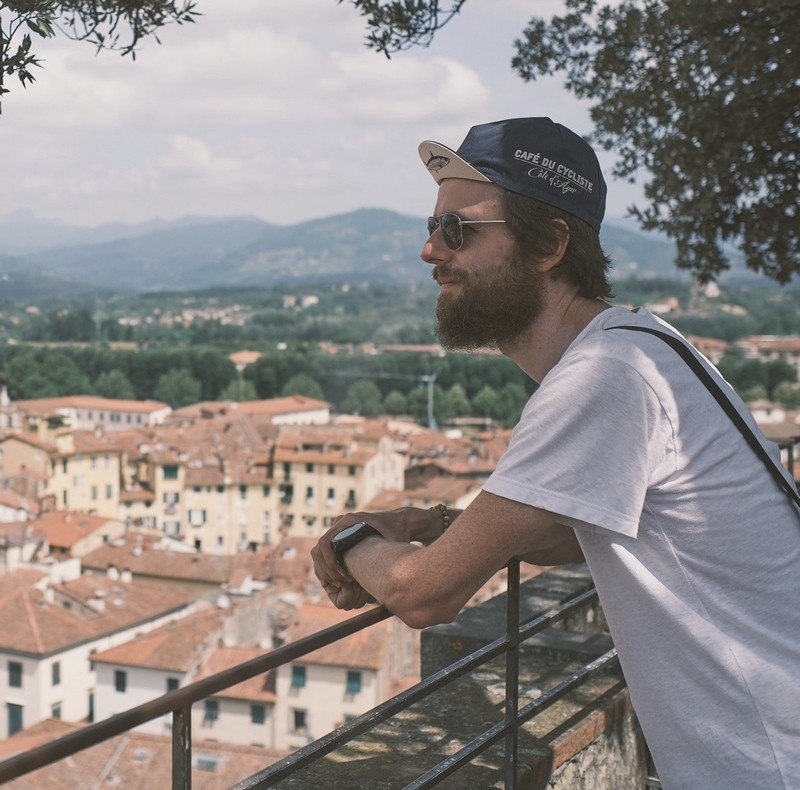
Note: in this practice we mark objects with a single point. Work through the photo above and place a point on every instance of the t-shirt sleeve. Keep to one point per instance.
(587, 446)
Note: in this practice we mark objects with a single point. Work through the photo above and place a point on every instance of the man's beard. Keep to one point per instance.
(493, 309)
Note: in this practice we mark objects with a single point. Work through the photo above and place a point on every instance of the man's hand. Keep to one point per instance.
(403, 525)
(348, 596)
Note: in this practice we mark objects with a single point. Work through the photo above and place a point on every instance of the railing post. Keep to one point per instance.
(182, 748)
(512, 674)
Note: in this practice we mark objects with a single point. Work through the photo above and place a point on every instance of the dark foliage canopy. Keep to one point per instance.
(701, 98)
(107, 24)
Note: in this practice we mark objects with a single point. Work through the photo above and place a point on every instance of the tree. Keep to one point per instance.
(487, 403)
(107, 24)
(363, 398)
(457, 401)
(239, 390)
(703, 97)
(178, 388)
(303, 384)
(788, 395)
(114, 384)
(395, 403)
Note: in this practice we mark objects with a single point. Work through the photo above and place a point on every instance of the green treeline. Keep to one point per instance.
(391, 383)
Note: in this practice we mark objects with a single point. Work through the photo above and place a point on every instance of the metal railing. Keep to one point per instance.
(179, 702)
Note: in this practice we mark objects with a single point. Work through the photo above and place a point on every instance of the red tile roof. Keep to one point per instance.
(64, 528)
(366, 649)
(178, 646)
(29, 624)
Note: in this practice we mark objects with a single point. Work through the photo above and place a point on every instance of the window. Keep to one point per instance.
(170, 472)
(309, 493)
(55, 673)
(353, 682)
(331, 469)
(94, 492)
(14, 714)
(109, 491)
(287, 470)
(171, 497)
(298, 677)
(197, 517)
(258, 714)
(93, 462)
(173, 684)
(309, 467)
(64, 465)
(299, 721)
(242, 492)
(15, 674)
(220, 489)
(120, 680)
(55, 710)
(351, 470)
(211, 710)
(265, 490)
(351, 498)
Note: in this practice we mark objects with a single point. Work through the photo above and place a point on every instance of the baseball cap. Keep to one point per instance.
(534, 157)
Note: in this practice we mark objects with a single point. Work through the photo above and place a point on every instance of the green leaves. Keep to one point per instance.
(108, 24)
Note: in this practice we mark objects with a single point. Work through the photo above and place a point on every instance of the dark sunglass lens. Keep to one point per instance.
(451, 230)
(433, 223)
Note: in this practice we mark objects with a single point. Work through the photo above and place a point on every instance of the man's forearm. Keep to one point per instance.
(393, 574)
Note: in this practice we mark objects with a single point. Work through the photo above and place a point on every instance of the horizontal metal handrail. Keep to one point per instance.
(494, 734)
(179, 703)
(181, 698)
(432, 683)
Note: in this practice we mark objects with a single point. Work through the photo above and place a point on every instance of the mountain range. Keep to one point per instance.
(41, 258)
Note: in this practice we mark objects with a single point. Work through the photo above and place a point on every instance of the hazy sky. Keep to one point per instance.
(273, 108)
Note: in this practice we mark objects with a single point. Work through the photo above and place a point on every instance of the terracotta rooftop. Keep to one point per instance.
(33, 441)
(134, 760)
(245, 357)
(44, 405)
(136, 494)
(178, 646)
(143, 559)
(13, 499)
(260, 688)
(366, 649)
(277, 406)
(64, 528)
(29, 624)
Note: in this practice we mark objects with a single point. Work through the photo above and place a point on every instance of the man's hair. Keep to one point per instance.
(537, 232)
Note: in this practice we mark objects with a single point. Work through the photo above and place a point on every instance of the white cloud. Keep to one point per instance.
(273, 108)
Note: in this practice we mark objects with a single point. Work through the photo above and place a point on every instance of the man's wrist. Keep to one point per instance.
(349, 538)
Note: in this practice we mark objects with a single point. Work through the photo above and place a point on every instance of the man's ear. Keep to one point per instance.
(546, 264)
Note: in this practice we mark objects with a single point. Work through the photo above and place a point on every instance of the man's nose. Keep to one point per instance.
(435, 250)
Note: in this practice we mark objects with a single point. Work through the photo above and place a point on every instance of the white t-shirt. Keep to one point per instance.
(693, 547)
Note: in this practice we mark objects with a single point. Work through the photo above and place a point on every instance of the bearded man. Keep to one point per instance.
(622, 457)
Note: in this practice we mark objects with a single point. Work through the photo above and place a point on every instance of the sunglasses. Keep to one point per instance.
(452, 230)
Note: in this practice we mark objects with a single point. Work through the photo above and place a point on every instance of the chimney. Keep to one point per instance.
(112, 572)
(126, 576)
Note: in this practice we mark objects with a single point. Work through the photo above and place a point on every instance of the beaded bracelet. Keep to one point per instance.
(446, 520)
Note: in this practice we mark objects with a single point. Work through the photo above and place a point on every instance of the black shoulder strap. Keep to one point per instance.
(705, 377)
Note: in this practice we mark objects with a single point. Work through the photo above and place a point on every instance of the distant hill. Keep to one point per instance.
(369, 245)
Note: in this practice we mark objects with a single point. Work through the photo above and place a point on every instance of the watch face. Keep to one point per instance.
(347, 532)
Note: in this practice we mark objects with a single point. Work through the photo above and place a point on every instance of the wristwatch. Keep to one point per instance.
(343, 541)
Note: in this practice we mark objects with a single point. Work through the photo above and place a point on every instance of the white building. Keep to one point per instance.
(48, 632)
